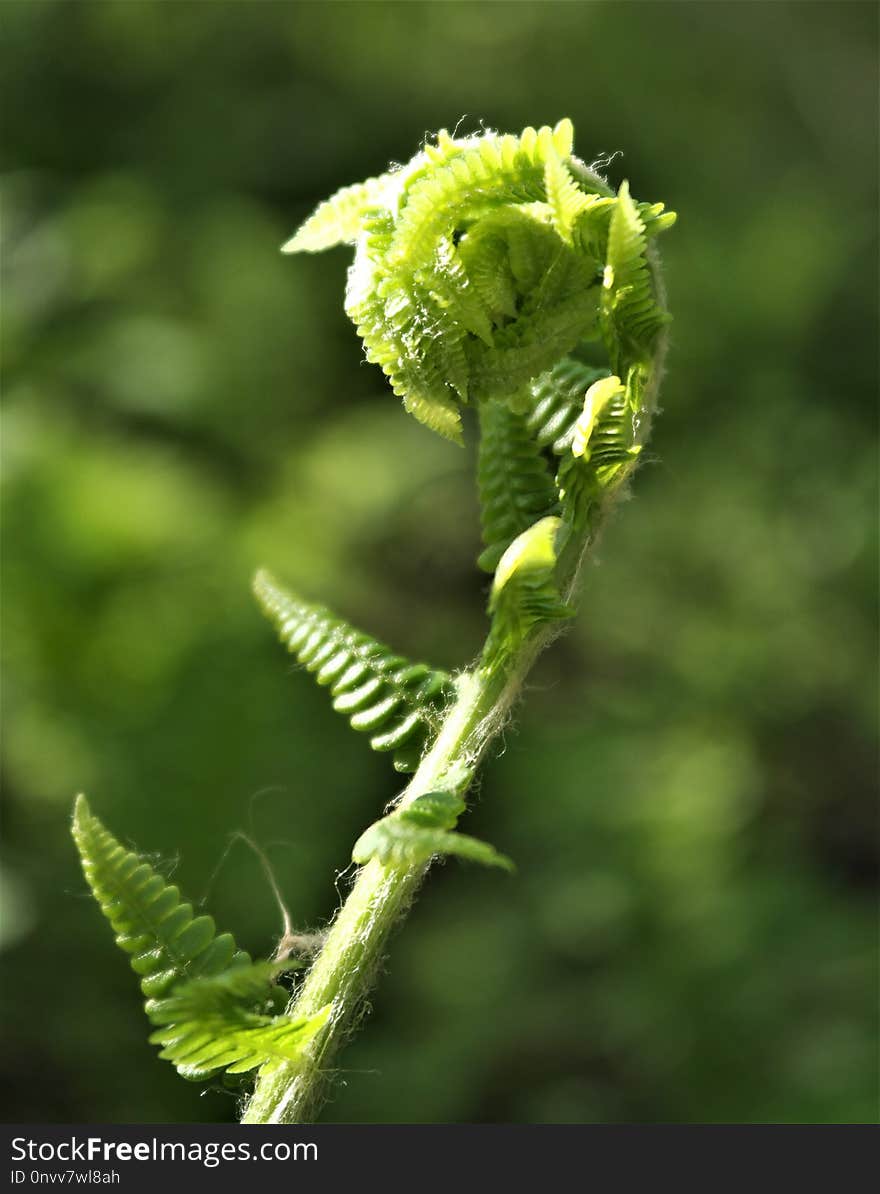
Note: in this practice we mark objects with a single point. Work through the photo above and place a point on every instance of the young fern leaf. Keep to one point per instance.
(525, 592)
(631, 318)
(557, 399)
(222, 1022)
(205, 995)
(605, 445)
(480, 264)
(384, 695)
(166, 941)
(516, 486)
(338, 220)
(416, 833)
(566, 200)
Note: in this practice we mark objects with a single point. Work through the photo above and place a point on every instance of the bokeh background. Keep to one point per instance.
(689, 793)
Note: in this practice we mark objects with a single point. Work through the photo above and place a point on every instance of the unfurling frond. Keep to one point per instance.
(210, 1002)
(416, 833)
(382, 694)
(480, 264)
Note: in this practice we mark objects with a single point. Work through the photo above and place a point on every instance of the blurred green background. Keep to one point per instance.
(691, 932)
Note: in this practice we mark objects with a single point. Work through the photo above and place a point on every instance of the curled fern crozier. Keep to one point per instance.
(484, 261)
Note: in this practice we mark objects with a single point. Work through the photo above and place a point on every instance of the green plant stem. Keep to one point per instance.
(344, 969)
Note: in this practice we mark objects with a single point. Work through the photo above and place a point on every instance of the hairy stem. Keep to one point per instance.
(343, 971)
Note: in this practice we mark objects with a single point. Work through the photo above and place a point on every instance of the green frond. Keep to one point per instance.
(566, 200)
(524, 592)
(382, 694)
(590, 229)
(450, 286)
(531, 347)
(412, 835)
(631, 315)
(437, 412)
(605, 444)
(484, 261)
(212, 1006)
(166, 941)
(223, 1023)
(515, 483)
(485, 256)
(486, 169)
(596, 402)
(655, 218)
(251, 985)
(557, 399)
(337, 221)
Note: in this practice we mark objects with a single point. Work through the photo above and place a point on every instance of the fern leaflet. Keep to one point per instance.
(416, 833)
(525, 592)
(606, 441)
(223, 1022)
(337, 221)
(630, 315)
(384, 695)
(206, 996)
(516, 487)
(166, 941)
(557, 399)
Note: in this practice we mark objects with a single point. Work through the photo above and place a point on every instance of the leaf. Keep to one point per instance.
(483, 169)
(338, 219)
(395, 701)
(165, 940)
(416, 833)
(209, 1000)
(606, 442)
(525, 592)
(557, 401)
(565, 198)
(515, 483)
(631, 315)
(596, 400)
(214, 1023)
(655, 218)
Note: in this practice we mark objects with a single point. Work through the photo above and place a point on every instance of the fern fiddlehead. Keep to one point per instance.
(495, 272)
(481, 263)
